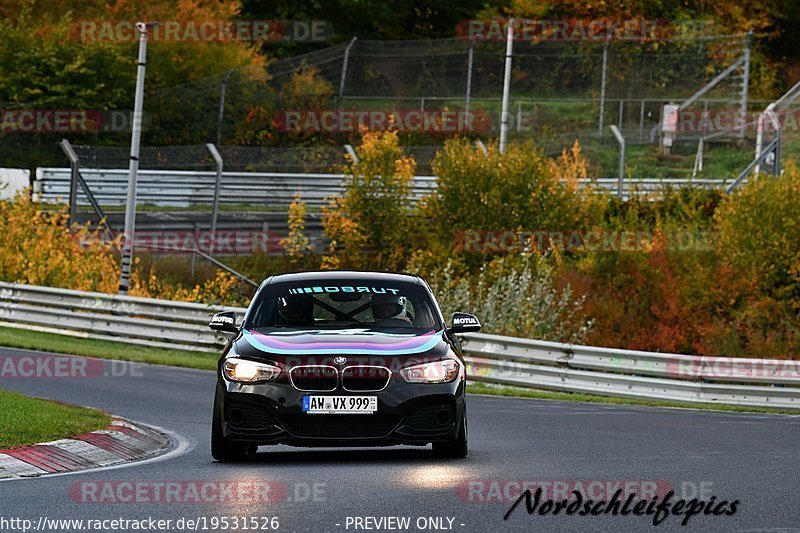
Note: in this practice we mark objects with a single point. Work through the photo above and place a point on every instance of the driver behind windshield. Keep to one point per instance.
(343, 304)
(296, 310)
(390, 310)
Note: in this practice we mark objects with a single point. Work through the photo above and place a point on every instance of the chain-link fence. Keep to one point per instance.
(303, 109)
(556, 86)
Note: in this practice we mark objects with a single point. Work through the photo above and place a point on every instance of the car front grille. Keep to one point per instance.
(339, 426)
(314, 378)
(365, 378)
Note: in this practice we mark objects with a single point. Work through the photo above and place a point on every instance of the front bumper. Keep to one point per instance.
(271, 413)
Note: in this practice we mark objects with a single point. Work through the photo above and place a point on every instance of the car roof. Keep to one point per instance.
(321, 275)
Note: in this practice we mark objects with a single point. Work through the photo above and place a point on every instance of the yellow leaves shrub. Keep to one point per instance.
(758, 233)
(220, 290)
(516, 190)
(296, 244)
(37, 247)
(374, 213)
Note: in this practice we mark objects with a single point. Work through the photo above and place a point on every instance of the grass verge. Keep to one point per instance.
(52, 342)
(519, 392)
(25, 420)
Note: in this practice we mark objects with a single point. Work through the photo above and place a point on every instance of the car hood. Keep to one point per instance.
(336, 342)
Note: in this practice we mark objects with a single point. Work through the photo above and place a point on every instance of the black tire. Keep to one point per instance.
(456, 448)
(223, 449)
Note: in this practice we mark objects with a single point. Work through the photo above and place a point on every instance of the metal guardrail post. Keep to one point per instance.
(76, 180)
(621, 141)
(217, 186)
(343, 76)
(351, 152)
(74, 165)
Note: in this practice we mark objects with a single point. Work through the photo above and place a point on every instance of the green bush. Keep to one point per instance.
(517, 191)
(375, 211)
(516, 296)
(758, 233)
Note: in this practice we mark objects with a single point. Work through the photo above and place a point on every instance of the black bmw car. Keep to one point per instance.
(341, 359)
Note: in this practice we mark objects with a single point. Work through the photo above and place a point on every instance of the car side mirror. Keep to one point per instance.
(464, 323)
(225, 322)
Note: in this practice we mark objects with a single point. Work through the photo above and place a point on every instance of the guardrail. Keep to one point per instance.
(95, 315)
(174, 188)
(633, 374)
(491, 358)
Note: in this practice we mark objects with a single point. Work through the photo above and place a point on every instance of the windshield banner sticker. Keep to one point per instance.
(342, 288)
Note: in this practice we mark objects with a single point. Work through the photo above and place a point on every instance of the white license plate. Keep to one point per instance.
(339, 405)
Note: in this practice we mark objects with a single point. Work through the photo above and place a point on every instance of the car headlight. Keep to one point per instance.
(245, 371)
(436, 372)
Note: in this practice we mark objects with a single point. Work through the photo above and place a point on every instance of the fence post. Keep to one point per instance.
(506, 86)
(746, 77)
(221, 113)
(603, 84)
(469, 77)
(133, 169)
(621, 111)
(621, 141)
(215, 202)
(74, 163)
(343, 76)
(351, 152)
(762, 124)
(641, 121)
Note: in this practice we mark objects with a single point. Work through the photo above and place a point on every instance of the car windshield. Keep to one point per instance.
(337, 304)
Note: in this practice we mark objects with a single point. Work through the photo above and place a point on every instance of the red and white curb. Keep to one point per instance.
(120, 442)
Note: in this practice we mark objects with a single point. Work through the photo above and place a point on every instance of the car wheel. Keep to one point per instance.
(223, 449)
(456, 448)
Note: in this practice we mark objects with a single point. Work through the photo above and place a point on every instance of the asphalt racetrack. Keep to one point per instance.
(752, 458)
